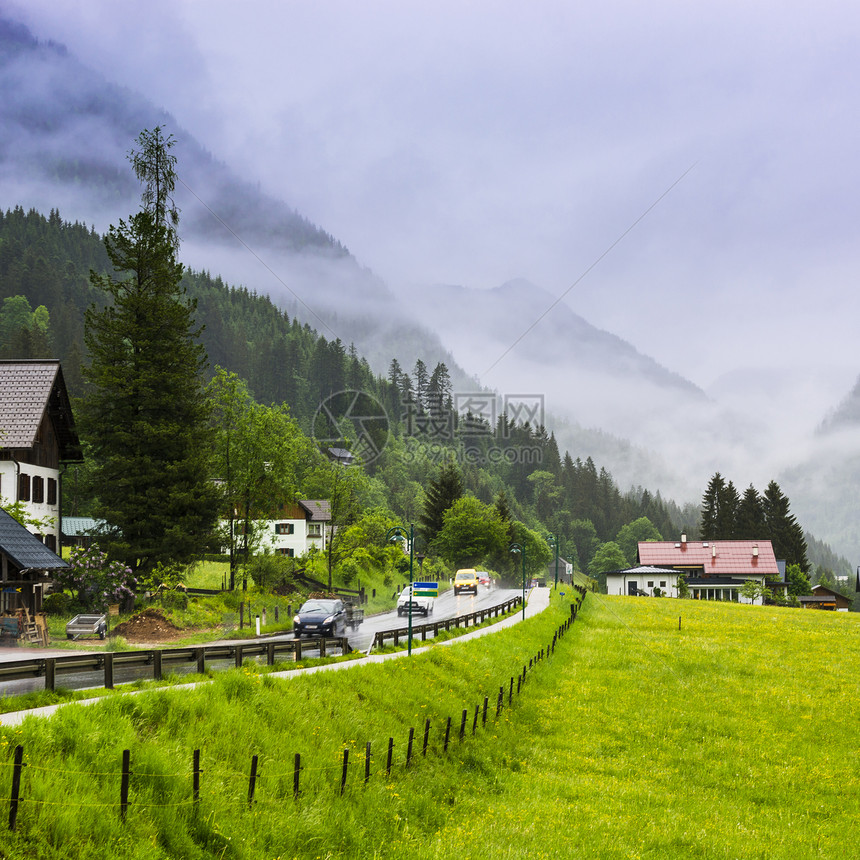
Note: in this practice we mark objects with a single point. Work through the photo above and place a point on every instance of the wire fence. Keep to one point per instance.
(271, 782)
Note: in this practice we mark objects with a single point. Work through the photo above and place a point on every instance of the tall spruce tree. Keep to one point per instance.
(719, 510)
(146, 414)
(784, 531)
(750, 523)
(440, 494)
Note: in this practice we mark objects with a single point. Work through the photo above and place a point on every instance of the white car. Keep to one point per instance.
(419, 602)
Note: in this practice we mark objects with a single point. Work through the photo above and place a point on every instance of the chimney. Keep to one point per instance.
(683, 539)
(713, 550)
(755, 551)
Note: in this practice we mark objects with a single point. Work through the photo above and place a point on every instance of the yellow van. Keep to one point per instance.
(466, 580)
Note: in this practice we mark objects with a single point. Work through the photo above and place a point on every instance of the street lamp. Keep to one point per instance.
(400, 533)
(554, 541)
(521, 548)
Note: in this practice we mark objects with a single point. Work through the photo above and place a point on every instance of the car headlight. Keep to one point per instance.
(329, 620)
(297, 620)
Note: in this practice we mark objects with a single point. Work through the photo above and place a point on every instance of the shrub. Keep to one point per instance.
(57, 603)
(96, 581)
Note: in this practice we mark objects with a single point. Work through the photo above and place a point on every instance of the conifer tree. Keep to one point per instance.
(750, 523)
(439, 496)
(146, 415)
(719, 510)
(784, 531)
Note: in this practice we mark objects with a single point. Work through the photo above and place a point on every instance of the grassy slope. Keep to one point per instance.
(731, 738)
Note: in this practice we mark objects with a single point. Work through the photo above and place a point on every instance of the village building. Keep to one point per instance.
(712, 570)
(37, 439)
(294, 529)
(823, 597)
(26, 565)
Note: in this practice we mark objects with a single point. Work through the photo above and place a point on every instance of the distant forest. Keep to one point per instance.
(45, 288)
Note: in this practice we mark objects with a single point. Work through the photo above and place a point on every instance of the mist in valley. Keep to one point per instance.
(645, 216)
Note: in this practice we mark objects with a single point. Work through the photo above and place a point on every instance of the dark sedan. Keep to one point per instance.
(320, 617)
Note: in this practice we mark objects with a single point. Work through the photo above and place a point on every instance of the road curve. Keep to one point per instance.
(536, 601)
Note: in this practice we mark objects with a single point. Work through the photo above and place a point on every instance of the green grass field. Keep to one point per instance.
(733, 737)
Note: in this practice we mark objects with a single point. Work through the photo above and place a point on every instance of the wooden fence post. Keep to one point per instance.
(447, 734)
(343, 772)
(390, 754)
(426, 735)
(252, 781)
(201, 661)
(16, 786)
(409, 746)
(486, 702)
(123, 789)
(463, 724)
(499, 702)
(196, 780)
(108, 657)
(238, 652)
(50, 673)
(475, 721)
(511, 691)
(297, 767)
(367, 763)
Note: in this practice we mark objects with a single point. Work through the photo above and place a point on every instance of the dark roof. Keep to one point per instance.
(644, 570)
(319, 510)
(29, 390)
(25, 550)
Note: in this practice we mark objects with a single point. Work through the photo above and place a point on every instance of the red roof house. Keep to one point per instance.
(716, 570)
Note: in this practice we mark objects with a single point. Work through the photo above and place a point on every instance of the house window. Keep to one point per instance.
(52, 491)
(286, 550)
(23, 488)
(51, 542)
(284, 528)
(314, 530)
(662, 583)
(38, 489)
(650, 583)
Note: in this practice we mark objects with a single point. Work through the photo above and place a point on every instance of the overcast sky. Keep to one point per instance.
(472, 143)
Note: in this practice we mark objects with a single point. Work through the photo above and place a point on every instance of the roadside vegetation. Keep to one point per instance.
(731, 737)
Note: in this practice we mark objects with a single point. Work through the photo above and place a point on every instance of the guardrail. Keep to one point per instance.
(470, 619)
(161, 659)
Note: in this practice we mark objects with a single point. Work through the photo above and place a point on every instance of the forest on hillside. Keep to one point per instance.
(515, 466)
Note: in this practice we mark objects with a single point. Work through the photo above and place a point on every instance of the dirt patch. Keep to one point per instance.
(148, 626)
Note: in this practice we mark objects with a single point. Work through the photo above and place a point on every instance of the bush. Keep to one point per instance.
(95, 581)
(272, 572)
(57, 603)
(174, 600)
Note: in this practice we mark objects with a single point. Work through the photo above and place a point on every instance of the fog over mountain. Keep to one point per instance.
(650, 209)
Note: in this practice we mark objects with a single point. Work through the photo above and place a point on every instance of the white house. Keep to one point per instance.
(37, 437)
(295, 529)
(713, 570)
